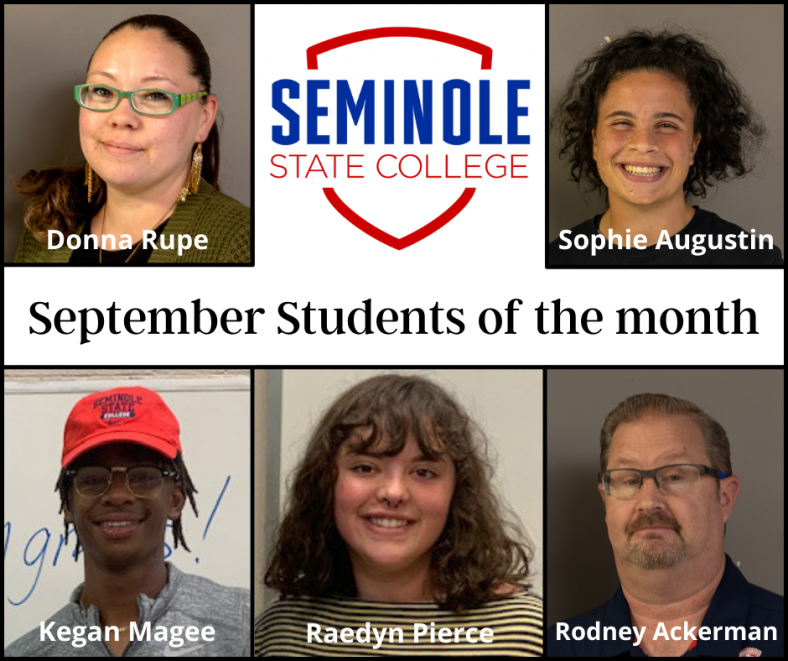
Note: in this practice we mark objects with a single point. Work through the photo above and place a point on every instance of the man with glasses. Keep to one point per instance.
(668, 489)
(122, 478)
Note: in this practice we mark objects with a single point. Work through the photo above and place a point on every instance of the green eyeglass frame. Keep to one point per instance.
(178, 100)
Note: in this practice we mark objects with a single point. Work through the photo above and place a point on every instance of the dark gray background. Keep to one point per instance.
(46, 53)
(750, 40)
(748, 403)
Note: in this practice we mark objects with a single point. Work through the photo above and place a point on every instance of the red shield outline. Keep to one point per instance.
(331, 195)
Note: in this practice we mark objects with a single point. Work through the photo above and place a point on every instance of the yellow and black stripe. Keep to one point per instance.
(186, 98)
(516, 622)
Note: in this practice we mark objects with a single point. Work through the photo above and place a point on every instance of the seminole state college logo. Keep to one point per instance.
(426, 130)
(119, 407)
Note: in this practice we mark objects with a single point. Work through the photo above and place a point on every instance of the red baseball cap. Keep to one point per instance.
(134, 415)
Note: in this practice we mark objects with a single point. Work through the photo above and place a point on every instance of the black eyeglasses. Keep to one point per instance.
(672, 480)
(141, 481)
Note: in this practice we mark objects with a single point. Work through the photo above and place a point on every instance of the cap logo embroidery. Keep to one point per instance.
(117, 407)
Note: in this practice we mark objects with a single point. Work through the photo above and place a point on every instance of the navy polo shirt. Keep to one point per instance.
(736, 603)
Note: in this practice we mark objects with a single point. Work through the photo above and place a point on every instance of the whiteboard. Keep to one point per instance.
(39, 572)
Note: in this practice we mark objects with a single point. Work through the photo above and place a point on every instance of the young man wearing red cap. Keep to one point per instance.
(122, 478)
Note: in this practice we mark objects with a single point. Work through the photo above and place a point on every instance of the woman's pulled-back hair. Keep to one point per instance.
(478, 550)
(730, 129)
(58, 197)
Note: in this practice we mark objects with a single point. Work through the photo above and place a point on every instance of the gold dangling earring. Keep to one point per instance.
(192, 184)
(196, 171)
(89, 180)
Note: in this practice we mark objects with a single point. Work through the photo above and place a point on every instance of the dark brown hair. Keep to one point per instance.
(633, 408)
(478, 550)
(183, 481)
(58, 197)
(731, 131)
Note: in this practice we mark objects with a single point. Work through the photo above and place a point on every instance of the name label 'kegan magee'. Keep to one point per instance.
(175, 636)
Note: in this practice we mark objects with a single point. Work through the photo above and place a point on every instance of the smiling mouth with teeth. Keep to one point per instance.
(389, 523)
(119, 524)
(641, 171)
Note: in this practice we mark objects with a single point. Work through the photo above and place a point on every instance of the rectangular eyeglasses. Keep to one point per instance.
(671, 480)
(152, 102)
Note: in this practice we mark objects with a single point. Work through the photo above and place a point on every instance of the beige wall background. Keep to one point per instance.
(507, 405)
(260, 396)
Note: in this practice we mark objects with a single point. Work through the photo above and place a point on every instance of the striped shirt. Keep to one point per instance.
(515, 620)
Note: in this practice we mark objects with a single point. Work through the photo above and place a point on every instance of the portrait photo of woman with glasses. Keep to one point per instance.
(148, 191)
(392, 521)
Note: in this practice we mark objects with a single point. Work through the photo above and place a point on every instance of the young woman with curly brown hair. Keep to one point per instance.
(392, 520)
(651, 119)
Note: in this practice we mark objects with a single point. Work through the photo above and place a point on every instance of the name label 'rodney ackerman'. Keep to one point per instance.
(175, 636)
(598, 632)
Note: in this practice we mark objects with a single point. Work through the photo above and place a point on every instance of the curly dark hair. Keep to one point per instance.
(478, 550)
(58, 199)
(731, 131)
(65, 483)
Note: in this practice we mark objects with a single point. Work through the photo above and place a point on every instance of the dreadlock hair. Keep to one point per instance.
(65, 483)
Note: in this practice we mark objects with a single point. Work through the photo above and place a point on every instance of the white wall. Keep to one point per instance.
(214, 414)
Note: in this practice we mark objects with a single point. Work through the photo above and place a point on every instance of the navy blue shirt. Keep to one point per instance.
(736, 603)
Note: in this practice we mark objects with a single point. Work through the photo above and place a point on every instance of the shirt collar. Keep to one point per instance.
(150, 608)
(617, 615)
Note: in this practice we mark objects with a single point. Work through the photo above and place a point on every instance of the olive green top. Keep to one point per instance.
(224, 221)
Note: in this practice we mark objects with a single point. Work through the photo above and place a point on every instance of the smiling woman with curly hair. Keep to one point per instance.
(392, 520)
(649, 119)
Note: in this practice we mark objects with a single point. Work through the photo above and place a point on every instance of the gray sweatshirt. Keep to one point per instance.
(186, 601)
